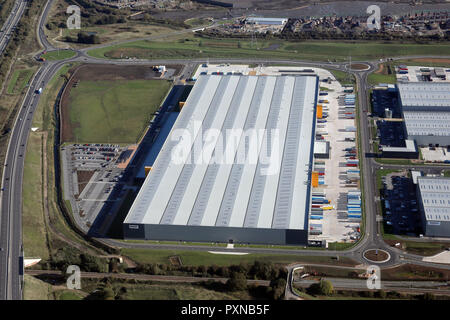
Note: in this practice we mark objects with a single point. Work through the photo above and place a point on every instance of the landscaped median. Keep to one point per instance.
(196, 258)
(58, 55)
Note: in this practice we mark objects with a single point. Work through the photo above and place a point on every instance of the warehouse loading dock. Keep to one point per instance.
(335, 169)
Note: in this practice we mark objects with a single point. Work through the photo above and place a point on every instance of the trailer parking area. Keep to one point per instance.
(336, 226)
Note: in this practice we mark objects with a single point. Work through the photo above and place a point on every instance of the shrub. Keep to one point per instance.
(382, 294)
(429, 296)
(237, 282)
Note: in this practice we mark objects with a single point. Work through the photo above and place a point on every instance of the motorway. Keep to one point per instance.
(11, 23)
(11, 194)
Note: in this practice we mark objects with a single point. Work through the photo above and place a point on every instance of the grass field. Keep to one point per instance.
(227, 48)
(195, 22)
(395, 161)
(36, 289)
(172, 292)
(343, 78)
(376, 78)
(114, 111)
(34, 230)
(41, 117)
(68, 295)
(415, 272)
(19, 80)
(111, 32)
(59, 55)
(425, 248)
(196, 258)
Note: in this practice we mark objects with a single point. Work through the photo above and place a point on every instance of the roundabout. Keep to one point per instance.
(357, 67)
(376, 255)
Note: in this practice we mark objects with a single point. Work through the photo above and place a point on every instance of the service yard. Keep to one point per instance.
(105, 111)
(335, 224)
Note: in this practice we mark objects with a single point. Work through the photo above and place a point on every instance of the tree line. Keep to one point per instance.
(258, 270)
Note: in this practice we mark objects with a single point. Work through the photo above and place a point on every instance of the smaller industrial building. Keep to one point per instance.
(322, 149)
(266, 21)
(409, 151)
(428, 127)
(426, 111)
(420, 96)
(434, 204)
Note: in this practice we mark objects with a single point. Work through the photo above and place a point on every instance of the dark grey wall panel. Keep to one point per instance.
(216, 234)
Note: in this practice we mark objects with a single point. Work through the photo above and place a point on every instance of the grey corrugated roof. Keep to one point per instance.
(424, 94)
(236, 194)
(435, 197)
(421, 123)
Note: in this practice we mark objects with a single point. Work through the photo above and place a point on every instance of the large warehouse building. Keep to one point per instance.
(426, 110)
(434, 196)
(239, 201)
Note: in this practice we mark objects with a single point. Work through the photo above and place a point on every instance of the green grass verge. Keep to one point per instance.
(59, 55)
(19, 80)
(35, 289)
(68, 295)
(377, 78)
(228, 48)
(344, 78)
(196, 22)
(172, 292)
(395, 161)
(425, 248)
(33, 225)
(196, 258)
(44, 119)
(42, 115)
(114, 111)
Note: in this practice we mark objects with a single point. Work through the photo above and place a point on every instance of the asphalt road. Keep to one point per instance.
(11, 196)
(409, 286)
(10, 23)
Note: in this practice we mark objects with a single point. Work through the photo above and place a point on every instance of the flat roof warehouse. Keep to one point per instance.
(219, 201)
